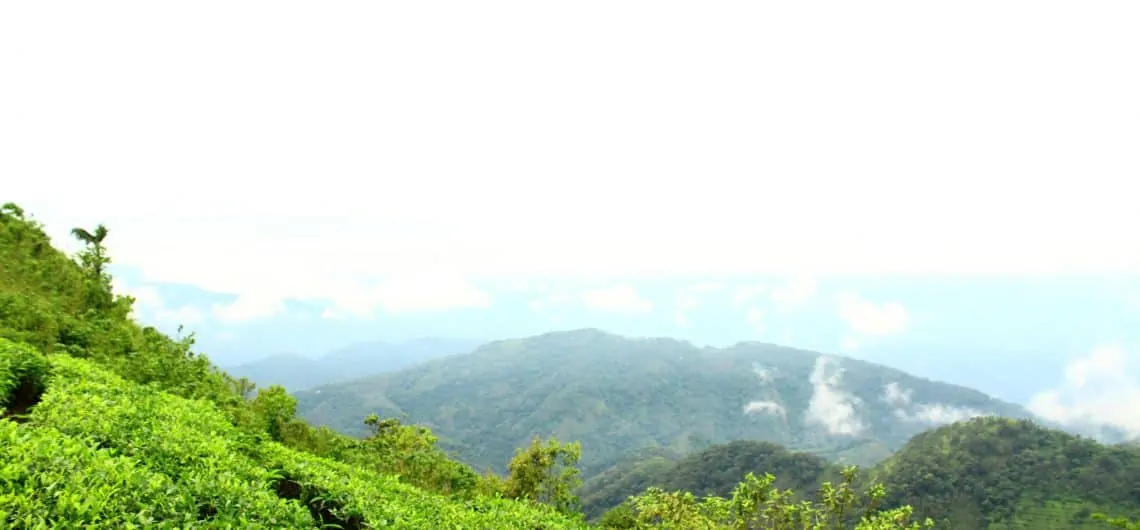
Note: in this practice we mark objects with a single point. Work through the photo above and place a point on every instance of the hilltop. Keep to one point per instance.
(618, 394)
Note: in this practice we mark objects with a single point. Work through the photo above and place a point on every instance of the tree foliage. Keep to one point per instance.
(546, 473)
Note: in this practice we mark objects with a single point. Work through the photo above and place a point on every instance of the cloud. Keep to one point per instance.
(763, 372)
(938, 414)
(769, 407)
(795, 292)
(830, 406)
(247, 308)
(895, 395)
(426, 291)
(621, 298)
(755, 318)
(689, 298)
(1100, 388)
(933, 414)
(866, 319)
(617, 299)
(374, 179)
(151, 308)
(745, 293)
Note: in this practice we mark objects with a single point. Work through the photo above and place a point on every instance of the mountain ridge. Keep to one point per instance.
(611, 391)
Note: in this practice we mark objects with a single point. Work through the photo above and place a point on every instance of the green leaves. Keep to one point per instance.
(756, 503)
(103, 452)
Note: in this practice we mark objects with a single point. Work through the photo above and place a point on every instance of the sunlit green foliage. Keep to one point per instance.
(757, 503)
(546, 473)
(186, 465)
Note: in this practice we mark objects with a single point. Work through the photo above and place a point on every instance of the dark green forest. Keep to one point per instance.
(108, 423)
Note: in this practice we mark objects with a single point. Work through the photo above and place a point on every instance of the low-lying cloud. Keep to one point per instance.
(927, 413)
(1099, 389)
(867, 319)
(830, 406)
(769, 407)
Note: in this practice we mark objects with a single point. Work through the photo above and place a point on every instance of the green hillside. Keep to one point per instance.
(1004, 474)
(108, 424)
(617, 395)
(986, 473)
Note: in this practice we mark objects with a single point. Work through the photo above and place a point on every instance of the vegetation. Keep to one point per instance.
(108, 424)
(1002, 474)
(715, 471)
(989, 473)
(616, 395)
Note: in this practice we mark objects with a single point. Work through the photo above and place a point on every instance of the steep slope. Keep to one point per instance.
(617, 395)
(122, 456)
(295, 372)
(1005, 474)
(108, 424)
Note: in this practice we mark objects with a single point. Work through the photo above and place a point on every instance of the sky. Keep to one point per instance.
(427, 163)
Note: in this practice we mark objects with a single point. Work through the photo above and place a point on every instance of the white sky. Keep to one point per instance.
(279, 148)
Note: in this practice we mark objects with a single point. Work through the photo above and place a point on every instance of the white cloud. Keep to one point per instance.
(830, 406)
(932, 414)
(620, 298)
(769, 407)
(689, 298)
(893, 394)
(795, 292)
(549, 301)
(755, 318)
(1100, 388)
(866, 319)
(247, 308)
(764, 373)
(939, 414)
(617, 299)
(745, 293)
(308, 177)
(150, 307)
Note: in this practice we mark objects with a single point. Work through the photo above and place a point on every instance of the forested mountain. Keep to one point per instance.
(296, 372)
(617, 394)
(999, 473)
(982, 473)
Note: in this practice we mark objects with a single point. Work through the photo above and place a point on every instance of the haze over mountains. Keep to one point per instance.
(297, 372)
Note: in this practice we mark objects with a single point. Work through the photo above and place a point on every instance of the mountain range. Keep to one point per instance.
(616, 395)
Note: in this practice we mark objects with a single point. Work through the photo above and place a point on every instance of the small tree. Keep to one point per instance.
(546, 473)
(757, 504)
(94, 260)
(275, 407)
